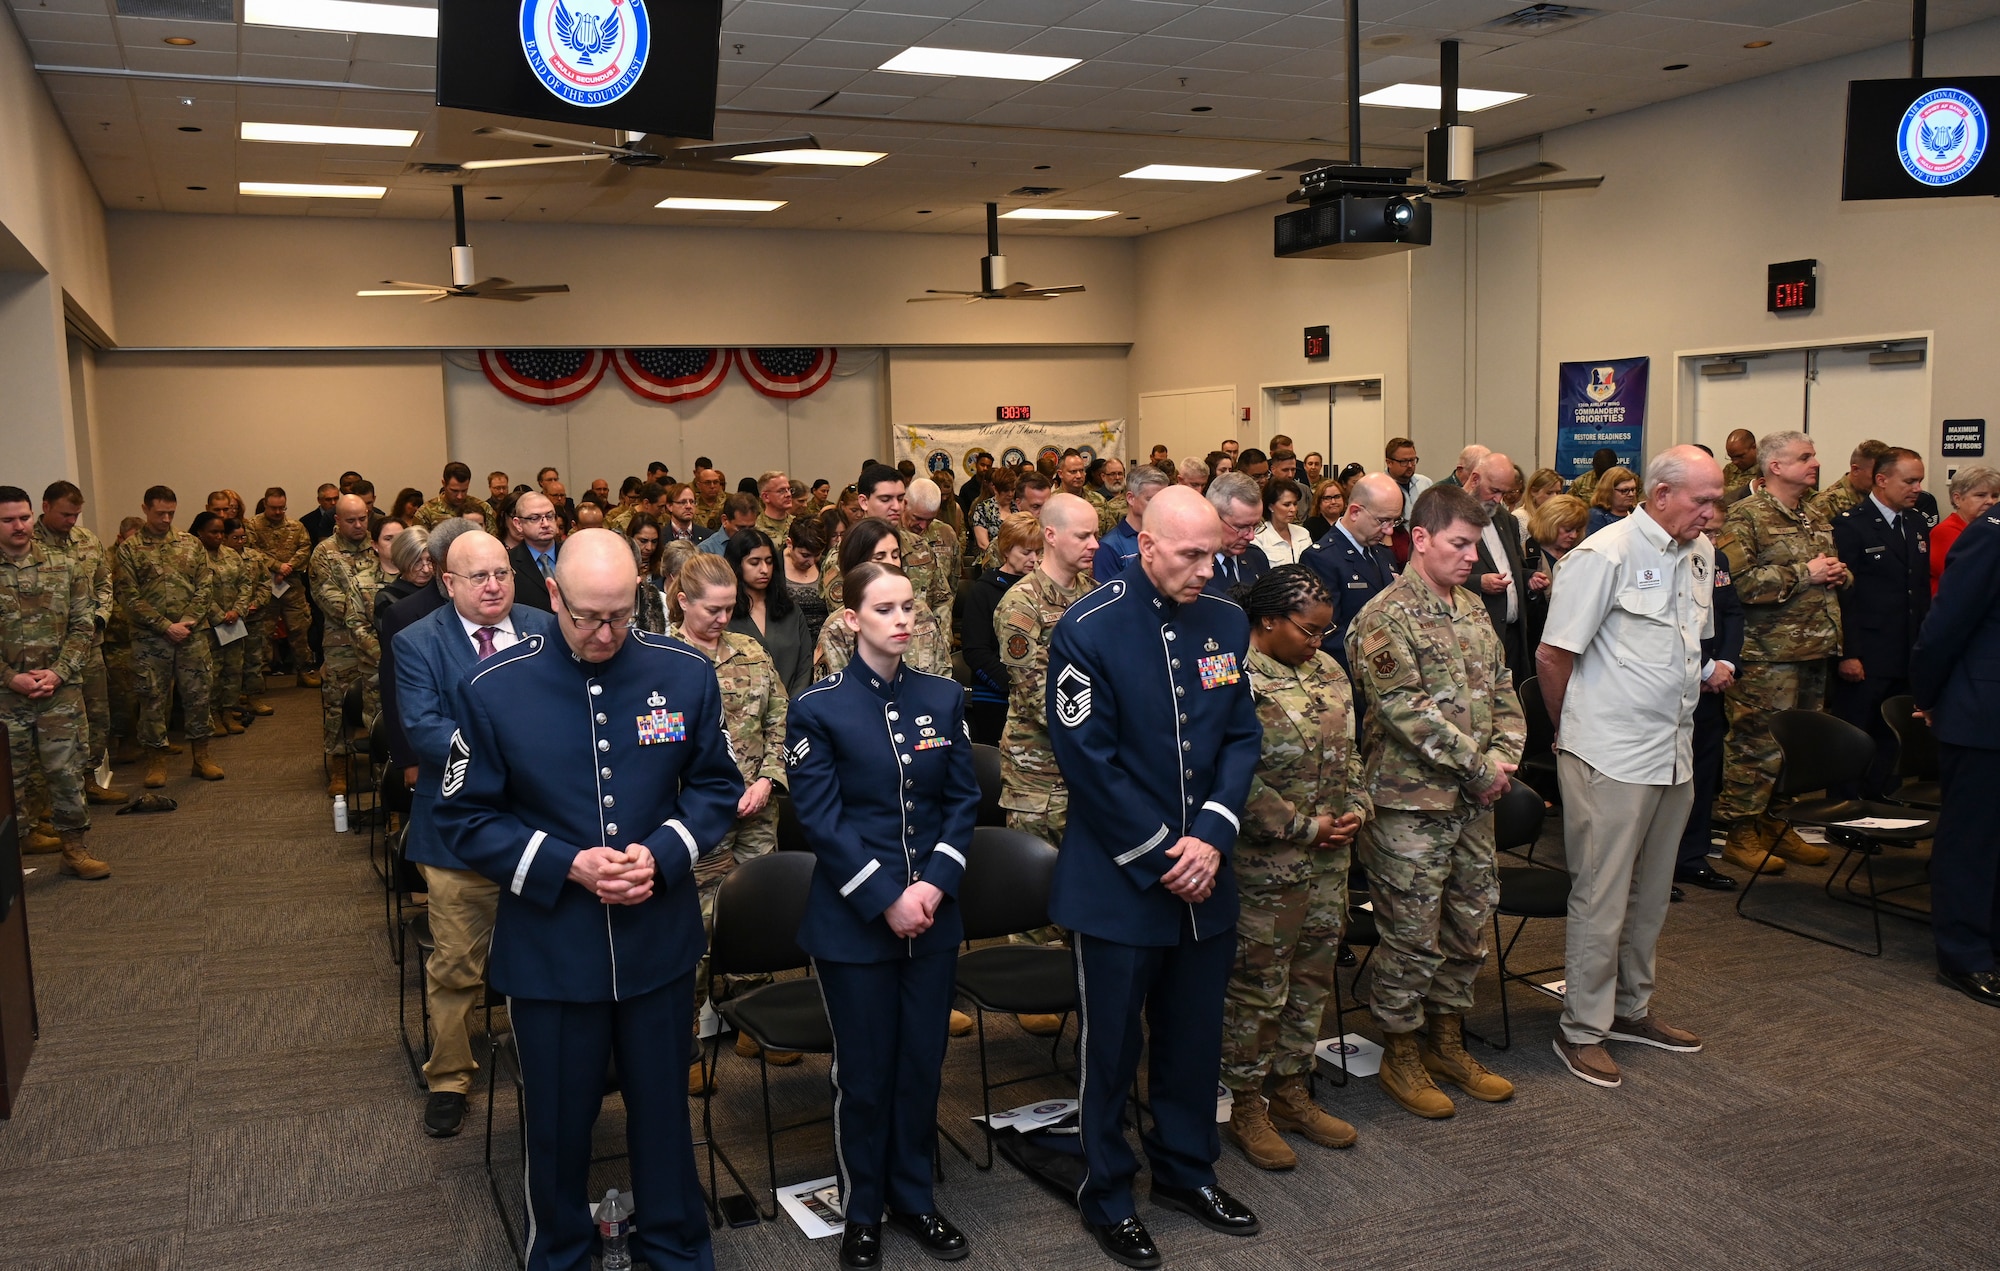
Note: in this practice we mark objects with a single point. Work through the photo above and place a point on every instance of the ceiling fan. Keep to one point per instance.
(993, 284)
(638, 150)
(465, 281)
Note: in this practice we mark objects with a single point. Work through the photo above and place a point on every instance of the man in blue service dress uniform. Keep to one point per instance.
(587, 775)
(1353, 558)
(1150, 710)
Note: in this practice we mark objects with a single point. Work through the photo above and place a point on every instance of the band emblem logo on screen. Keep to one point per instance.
(1942, 137)
(587, 52)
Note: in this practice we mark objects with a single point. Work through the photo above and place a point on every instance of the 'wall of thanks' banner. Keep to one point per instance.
(936, 448)
(1601, 404)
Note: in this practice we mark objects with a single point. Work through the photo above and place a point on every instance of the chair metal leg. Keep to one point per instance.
(1775, 925)
(492, 1179)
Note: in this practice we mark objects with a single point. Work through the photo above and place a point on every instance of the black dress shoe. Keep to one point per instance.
(1211, 1207)
(1127, 1241)
(861, 1246)
(444, 1112)
(1702, 876)
(1675, 895)
(935, 1233)
(1980, 986)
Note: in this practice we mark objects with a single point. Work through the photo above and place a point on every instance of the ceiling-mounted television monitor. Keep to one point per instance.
(1921, 138)
(639, 65)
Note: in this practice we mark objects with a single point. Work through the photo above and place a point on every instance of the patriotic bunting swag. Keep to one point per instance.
(543, 377)
(786, 372)
(672, 375)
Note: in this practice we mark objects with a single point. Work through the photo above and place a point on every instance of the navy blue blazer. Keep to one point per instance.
(388, 626)
(1237, 572)
(882, 780)
(530, 588)
(552, 756)
(1881, 614)
(1353, 575)
(1726, 645)
(1118, 548)
(1955, 670)
(1151, 721)
(432, 656)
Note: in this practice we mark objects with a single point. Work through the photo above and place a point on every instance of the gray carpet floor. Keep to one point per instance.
(219, 1085)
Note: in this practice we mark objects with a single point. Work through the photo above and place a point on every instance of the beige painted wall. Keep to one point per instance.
(204, 421)
(47, 201)
(1215, 307)
(289, 282)
(961, 386)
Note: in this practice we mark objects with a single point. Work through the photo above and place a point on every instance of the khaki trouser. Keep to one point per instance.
(1620, 841)
(462, 908)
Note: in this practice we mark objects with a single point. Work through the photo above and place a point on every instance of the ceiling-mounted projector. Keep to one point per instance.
(1351, 213)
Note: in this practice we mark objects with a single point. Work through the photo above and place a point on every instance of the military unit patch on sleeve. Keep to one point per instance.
(661, 726)
(1017, 646)
(1219, 670)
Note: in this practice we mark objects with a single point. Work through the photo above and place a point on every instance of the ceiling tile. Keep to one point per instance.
(325, 70)
(209, 37)
(192, 61)
(402, 50)
(285, 42)
(390, 75)
(71, 28)
(757, 17)
(1135, 16)
(54, 53)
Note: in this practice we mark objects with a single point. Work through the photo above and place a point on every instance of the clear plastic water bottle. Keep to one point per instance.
(340, 814)
(614, 1228)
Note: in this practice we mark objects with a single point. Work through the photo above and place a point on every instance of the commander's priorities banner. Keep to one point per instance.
(1600, 404)
(953, 448)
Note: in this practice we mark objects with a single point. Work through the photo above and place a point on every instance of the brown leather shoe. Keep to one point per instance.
(1592, 1063)
(1249, 1128)
(1745, 849)
(1649, 1031)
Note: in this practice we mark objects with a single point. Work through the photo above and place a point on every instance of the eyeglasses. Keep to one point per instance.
(483, 577)
(1306, 631)
(536, 519)
(591, 626)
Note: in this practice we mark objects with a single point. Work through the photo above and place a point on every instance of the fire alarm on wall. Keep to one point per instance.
(1246, 414)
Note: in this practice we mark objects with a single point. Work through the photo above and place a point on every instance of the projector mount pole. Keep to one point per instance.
(993, 268)
(1917, 24)
(1448, 82)
(1354, 81)
(462, 272)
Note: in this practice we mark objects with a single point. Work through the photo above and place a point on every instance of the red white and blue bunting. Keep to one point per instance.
(544, 377)
(672, 375)
(786, 372)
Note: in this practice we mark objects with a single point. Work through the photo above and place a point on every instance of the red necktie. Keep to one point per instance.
(485, 638)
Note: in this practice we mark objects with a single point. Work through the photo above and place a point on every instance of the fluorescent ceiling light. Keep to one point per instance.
(920, 61)
(325, 135)
(292, 190)
(722, 205)
(343, 15)
(823, 158)
(1428, 97)
(1188, 172)
(1053, 214)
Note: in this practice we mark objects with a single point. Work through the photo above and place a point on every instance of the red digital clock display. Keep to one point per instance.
(1011, 414)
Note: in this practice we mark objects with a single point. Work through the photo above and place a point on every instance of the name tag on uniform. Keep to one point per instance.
(1649, 578)
(1360, 584)
(1875, 551)
(1219, 670)
(662, 726)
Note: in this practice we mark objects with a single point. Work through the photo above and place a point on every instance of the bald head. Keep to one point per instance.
(595, 585)
(1066, 511)
(1469, 458)
(1178, 544)
(1069, 537)
(350, 517)
(1491, 479)
(477, 578)
(1380, 492)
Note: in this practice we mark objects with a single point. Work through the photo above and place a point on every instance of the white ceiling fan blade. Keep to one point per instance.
(413, 286)
(513, 134)
(1045, 293)
(405, 291)
(474, 165)
(730, 149)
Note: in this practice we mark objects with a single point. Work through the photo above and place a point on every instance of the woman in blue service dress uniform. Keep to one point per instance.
(882, 779)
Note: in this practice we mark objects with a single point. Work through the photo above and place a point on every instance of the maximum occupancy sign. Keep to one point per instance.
(587, 52)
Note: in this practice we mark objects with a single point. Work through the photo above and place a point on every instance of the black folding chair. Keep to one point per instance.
(1008, 877)
(1819, 753)
(986, 765)
(757, 912)
(505, 1049)
(1538, 760)
(1359, 932)
(791, 835)
(1525, 893)
(1916, 755)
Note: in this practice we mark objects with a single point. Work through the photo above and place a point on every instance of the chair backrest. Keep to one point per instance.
(1008, 875)
(1917, 754)
(1819, 751)
(353, 705)
(1541, 733)
(791, 835)
(1517, 817)
(757, 914)
(986, 763)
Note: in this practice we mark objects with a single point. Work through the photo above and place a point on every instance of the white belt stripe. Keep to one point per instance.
(1225, 814)
(693, 853)
(952, 852)
(867, 871)
(1159, 837)
(527, 860)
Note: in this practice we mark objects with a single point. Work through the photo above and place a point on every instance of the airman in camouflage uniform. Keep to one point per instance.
(256, 606)
(1839, 497)
(121, 681)
(945, 543)
(1294, 900)
(929, 649)
(48, 621)
(1734, 478)
(345, 574)
(286, 548)
(1031, 786)
(163, 584)
(88, 557)
(1791, 628)
(927, 579)
(456, 500)
(710, 493)
(226, 660)
(1442, 719)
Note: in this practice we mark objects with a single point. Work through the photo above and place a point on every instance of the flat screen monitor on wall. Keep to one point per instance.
(638, 65)
(1921, 138)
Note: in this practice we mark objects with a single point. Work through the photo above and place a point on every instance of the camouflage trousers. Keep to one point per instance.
(298, 621)
(1750, 756)
(1286, 952)
(122, 688)
(1046, 825)
(750, 837)
(249, 681)
(51, 732)
(1432, 878)
(161, 666)
(225, 685)
(34, 800)
(343, 670)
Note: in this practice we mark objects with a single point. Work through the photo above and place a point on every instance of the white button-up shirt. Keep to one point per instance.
(1634, 606)
(504, 635)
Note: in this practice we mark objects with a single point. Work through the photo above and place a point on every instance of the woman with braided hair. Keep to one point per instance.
(1305, 805)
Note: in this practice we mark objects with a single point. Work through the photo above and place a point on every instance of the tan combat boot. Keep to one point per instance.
(203, 766)
(1294, 1112)
(308, 679)
(747, 1046)
(217, 725)
(1403, 1078)
(95, 793)
(231, 725)
(1444, 1054)
(336, 780)
(125, 752)
(1249, 1127)
(156, 769)
(1745, 849)
(961, 1024)
(696, 1086)
(1040, 1025)
(77, 860)
(41, 839)
(1785, 842)
(258, 706)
